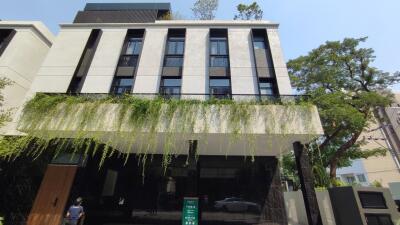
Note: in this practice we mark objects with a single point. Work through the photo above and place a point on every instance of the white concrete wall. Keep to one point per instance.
(281, 72)
(296, 211)
(196, 60)
(105, 60)
(20, 62)
(241, 58)
(148, 73)
(59, 66)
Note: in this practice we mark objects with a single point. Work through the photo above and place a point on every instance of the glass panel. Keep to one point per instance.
(171, 47)
(385, 220)
(220, 92)
(265, 84)
(175, 47)
(219, 61)
(122, 85)
(214, 48)
(138, 47)
(220, 82)
(171, 82)
(173, 61)
(179, 48)
(259, 45)
(266, 91)
(372, 220)
(361, 178)
(127, 61)
(124, 82)
(133, 47)
(372, 200)
(222, 50)
(130, 47)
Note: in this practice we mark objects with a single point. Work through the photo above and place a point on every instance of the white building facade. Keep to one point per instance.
(124, 49)
(23, 47)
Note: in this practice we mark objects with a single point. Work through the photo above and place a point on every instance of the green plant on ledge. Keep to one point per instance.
(77, 124)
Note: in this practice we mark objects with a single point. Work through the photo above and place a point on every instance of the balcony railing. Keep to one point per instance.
(278, 99)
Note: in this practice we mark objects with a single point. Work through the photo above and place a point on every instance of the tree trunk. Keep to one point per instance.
(339, 153)
(332, 169)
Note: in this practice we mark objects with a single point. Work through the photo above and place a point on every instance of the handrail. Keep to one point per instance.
(197, 96)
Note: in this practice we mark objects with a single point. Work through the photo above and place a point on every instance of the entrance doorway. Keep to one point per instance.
(231, 190)
(50, 201)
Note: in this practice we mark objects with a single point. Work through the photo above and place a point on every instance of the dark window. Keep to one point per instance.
(134, 45)
(128, 61)
(173, 61)
(175, 51)
(84, 62)
(361, 178)
(176, 46)
(378, 219)
(259, 43)
(122, 85)
(5, 37)
(219, 61)
(373, 200)
(219, 46)
(267, 87)
(219, 52)
(171, 87)
(220, 88)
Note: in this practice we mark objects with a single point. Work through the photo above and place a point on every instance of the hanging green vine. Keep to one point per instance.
(83, 123)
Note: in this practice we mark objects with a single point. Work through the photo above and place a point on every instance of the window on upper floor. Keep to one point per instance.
(219, 53)
(259, 43)
(128, 62)
(220, 88)
(361, 178)
(122, 85)
(171, 87)
(175, 48)
(5, 37)
(85, 61)
(267, 87)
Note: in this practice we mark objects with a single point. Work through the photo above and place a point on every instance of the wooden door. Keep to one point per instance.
(49, 205)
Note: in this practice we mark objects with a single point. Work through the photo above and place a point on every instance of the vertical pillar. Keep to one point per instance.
(307, 184)
(192, 181)
(274, 212)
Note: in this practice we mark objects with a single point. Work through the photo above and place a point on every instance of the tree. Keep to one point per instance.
(205, 9)
(341, 82)
(172, 16)
(249, 12)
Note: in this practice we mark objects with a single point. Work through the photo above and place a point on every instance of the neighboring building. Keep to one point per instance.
(23, 47)
(382, 169)
(123, 49)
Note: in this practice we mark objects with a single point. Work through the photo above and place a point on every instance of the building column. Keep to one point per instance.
(274, 211)
(192, 181)
(307, 184)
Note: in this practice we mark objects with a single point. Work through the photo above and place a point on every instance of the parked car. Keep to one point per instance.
(234, 204)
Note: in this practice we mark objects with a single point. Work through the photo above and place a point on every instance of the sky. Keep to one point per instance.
(304, 24)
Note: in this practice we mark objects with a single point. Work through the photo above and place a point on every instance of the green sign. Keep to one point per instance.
(190, 214)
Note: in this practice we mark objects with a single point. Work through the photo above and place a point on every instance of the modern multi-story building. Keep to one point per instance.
(384, 134)
(115, 49)
(23, 47)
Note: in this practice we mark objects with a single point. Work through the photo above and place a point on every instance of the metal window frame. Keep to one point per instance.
(130, 34)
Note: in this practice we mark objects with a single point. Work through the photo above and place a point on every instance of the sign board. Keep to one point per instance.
(190, 214)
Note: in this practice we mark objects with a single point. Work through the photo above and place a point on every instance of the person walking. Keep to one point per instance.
(75, 212)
